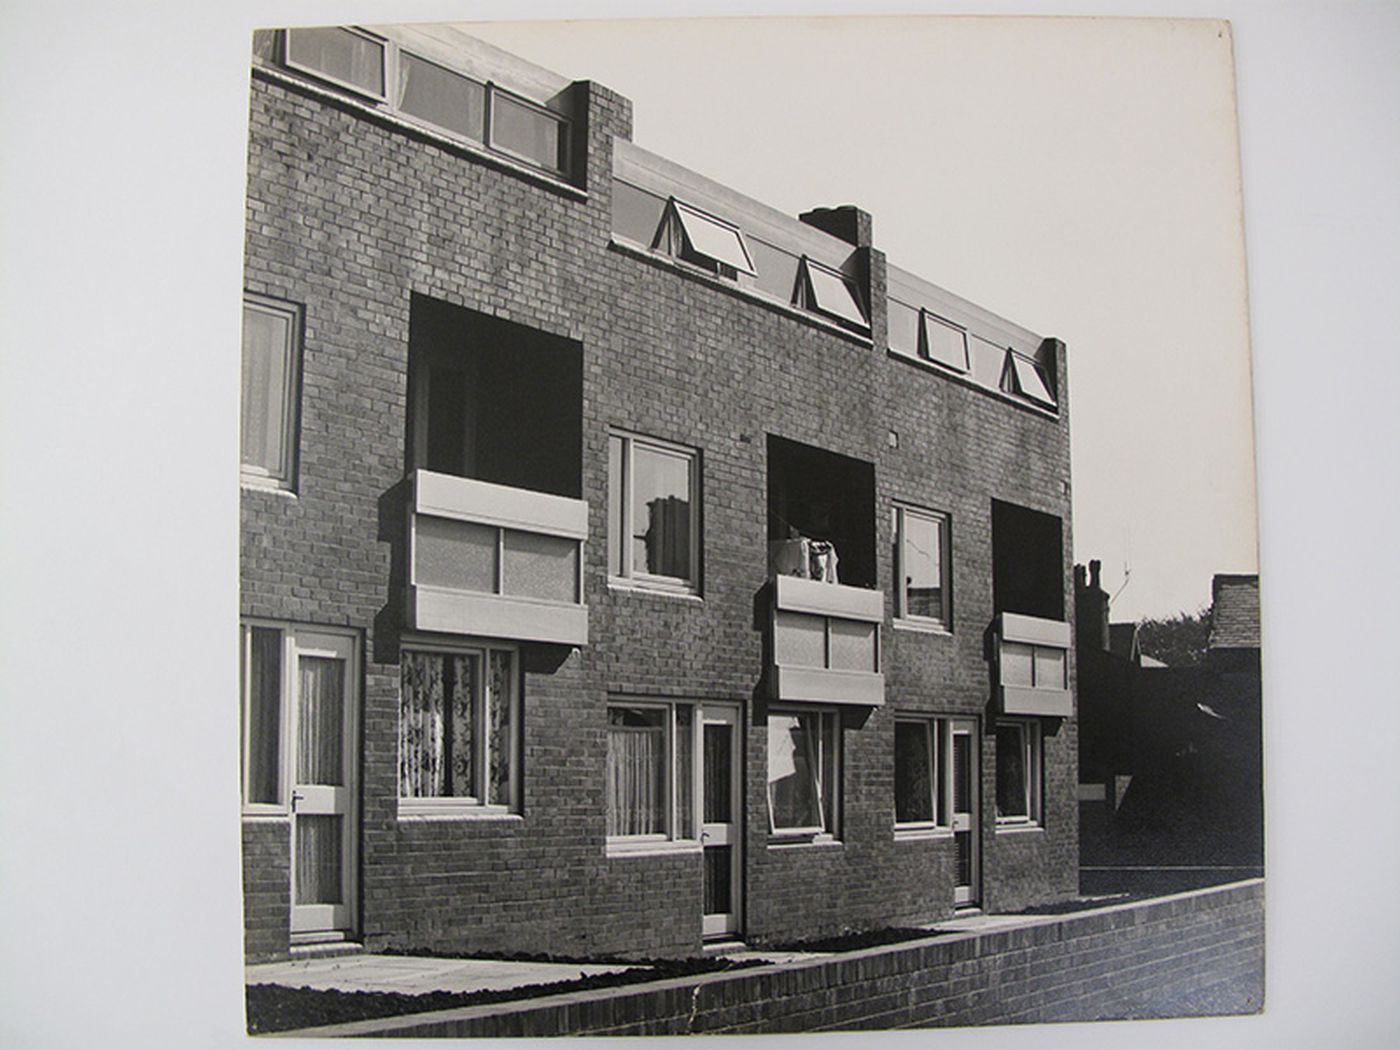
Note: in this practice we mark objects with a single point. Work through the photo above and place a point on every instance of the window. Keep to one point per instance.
(922, 567)
(441, 97)
(944, 342)
(653, 512)
(271, 366)
(528, 131)
(346, 56)
(459, 731)
(652, 762)
(704, 239)
(920, 766)
(1027, 562)
(803, 772)
(1018, 753)
(1024, 377)
(829, 292)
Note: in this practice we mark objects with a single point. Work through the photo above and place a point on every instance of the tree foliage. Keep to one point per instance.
(1178, 640)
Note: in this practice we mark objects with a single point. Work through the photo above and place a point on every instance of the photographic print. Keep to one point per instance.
(747, 526)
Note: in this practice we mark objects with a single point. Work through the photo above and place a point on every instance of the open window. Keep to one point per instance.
(1027, 562)
(703, 240)
(1025, 378)
(821, 514)
(825, 290)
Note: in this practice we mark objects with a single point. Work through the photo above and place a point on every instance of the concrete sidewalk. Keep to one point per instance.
(414, 975)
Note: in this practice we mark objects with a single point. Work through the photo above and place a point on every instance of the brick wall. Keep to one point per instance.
(1194, 953)
(350, 216)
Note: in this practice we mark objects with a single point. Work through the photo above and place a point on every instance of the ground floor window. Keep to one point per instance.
(803, 771)
(920, 767)
(1018, 765)
(459, 719)
(651, 791)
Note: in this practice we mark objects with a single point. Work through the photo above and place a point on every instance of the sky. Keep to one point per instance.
(1078, 176)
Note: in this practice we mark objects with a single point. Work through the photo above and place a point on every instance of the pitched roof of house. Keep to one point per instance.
(1234, 620)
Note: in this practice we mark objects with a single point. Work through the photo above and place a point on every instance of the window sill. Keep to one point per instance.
(1017, 828)
(418, 814)
(265, 815)
(916, 834)
(271, 488)
(625, 848)
(622, 585)
(919, 627)
(801, 841)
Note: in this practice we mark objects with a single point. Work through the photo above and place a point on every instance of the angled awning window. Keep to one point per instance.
(1025, 378)
(713, 238)
(944, 342)
(830, 293)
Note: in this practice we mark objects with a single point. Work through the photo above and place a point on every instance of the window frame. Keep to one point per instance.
(676, 238)
(938, 737)
(385, 72)
(903, 618)
(812, 299)
(1031, 746)
(829, 773)
(285, 477)
(456, 807)
(927, 318)
(1022, 372)
(563, 125)
(672, 838)
(626, 573)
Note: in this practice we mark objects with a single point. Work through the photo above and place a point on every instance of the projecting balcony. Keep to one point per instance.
(825, 643)
(495, 561)
(1033, 666)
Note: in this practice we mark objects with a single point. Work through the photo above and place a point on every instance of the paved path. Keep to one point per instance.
(414, 975)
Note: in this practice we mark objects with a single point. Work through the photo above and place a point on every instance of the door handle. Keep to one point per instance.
(704, 836)
(297, 796)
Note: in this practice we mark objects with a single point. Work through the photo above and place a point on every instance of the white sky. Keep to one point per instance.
(1078, 176)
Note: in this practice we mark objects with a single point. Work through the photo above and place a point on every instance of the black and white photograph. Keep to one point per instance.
(746, 523)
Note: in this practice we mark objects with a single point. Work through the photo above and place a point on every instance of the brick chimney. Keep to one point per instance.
(1090, 609)
(846, 221)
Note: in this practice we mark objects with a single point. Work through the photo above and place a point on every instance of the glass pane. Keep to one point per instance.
(988, 361)
(616, 541)
(636, 771)
(1012, 797)
(712, 239)
(962, 843)
(904, 328)
(437, 721)
(318, 859)
(833, 295)
(719, 772)
(921, 556)
(719, 868)
(685, 772)
(321, 721)
(1029, 381)
(913, 773)
(1016, 664)
(441, 97)
(500, 747)
(852, 645)
(794, 765)
(660, 512)
(799, 640)
(635, 213)
(777, 270)
(539, 566)
(339, 53)
(945, 343)
(1049, 668)
(266, 381)
(527, 131)
(263, 688)
(962, 773)
(458, 555)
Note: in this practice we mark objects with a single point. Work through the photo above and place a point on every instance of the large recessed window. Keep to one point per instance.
(651, 796)
(922, 569)
(653, 512)
(459, 726)
(1027, 562)
(271, 366)
(1018, 768)
(803, 771)
(821, 514)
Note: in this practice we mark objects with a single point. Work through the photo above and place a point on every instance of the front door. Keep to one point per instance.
(323, 795)
(721, 793)
(962, 789)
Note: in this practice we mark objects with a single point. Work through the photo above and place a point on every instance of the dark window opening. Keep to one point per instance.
(494, 400)
(1027, 562)
(821, 496)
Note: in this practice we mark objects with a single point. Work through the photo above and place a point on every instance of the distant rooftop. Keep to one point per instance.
(1235, 613)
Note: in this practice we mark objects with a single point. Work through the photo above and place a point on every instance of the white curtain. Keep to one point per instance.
(635, 789)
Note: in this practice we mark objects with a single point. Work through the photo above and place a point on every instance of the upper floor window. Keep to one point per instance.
(409, 85)
(1027, 562)
(704, 239)
(271, 367)
(828, 291)
(653, 512)
(922, 568)
(1024, 377)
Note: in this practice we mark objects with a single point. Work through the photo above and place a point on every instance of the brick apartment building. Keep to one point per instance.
(625, 565)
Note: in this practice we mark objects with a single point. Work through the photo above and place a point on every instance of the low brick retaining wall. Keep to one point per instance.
(1191, 953)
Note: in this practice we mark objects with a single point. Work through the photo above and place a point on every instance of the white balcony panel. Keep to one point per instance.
(496, 616)
(466, 499)
(1033, 629)
(1019, 700)
(794, 594)
(828, 687)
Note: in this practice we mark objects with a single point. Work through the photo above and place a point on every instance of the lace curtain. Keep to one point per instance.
(436, 719)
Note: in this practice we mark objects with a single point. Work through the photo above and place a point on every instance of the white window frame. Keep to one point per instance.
(455, 807)
(1032, 756)
(284, 477)
(672, 838)
(938, 736)
(627, 573)
(829, 770)
(944, 621)
(288, 635)
(844, 305)
(927, 318)
(1024, 378)
(680, 223)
